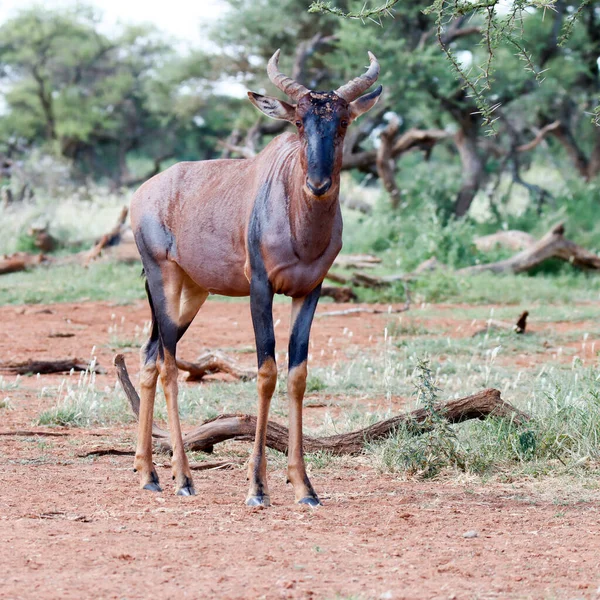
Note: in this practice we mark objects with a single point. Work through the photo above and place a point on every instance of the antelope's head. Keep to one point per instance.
(321, 119)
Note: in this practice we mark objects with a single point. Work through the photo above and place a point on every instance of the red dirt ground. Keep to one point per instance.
(73, 527)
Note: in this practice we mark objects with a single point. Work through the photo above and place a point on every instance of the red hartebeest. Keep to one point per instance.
(267, 225)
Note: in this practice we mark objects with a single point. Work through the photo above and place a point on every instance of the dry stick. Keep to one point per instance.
(108, 238)
(30, 433)
(339, 294)
(518, 327)
(359, 310)
(372, 311)
(242, 427)
(197, 466)
(212, 465)
(215, 362)
(356, 261)
(513, 239)
(552, 245)
(19, 261)
(45, 367)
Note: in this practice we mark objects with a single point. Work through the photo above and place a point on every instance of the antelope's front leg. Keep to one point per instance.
(261, 304)
(303, 310)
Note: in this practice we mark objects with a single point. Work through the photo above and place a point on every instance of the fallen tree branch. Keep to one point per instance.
(215, 362)
(356, 261)
(108, 239)
(45, 367)
(339, 294)
(19, 261)
(513, 239)
(32, 432)
(362, 310)
(195, 466)
(552, 245)
(242, 427)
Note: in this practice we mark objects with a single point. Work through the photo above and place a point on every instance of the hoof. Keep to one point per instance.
(153, 486)
(188, 490)
(263, 501)
(311, 501)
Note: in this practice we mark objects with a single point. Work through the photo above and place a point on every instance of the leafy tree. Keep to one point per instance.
(100, 100)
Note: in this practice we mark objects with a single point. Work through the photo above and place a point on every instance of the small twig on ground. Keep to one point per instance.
(363, 310)
(45, 367)
(518, 327)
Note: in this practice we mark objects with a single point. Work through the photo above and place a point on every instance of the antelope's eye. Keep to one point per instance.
(344, 123)
(298, 124)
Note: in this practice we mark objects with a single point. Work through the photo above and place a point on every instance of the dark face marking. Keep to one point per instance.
(298, 348)
(261, 290)
(323, 118)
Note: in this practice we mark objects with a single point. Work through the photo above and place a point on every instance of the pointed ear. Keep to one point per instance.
(364, 103)
(272, 107)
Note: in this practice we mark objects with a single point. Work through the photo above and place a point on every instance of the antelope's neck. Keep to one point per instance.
(312, 219)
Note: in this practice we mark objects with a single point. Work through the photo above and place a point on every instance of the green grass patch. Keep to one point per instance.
(115, 282)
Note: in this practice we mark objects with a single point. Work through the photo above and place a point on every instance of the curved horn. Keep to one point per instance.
(286, 84)
(355, 87)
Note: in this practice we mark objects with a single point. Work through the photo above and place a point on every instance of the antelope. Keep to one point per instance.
(266, 225)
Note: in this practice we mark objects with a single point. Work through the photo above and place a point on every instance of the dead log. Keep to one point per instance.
(486, 403)
(552, 245)
(339, 294)
(44, 367)
(215, 362)
(12, 263)
(356, 204)
(368, 281)
(356, 261)
(513, 239)
(337, 278)
(108, 239)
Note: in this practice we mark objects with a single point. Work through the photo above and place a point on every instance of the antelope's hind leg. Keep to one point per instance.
(303, 310)
(148, 378)
(175, 301)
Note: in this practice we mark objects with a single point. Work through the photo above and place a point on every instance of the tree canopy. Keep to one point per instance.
(121, 106)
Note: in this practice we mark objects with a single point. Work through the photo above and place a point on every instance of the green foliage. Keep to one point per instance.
(101, 281)
(501, 27)
(95, 98)
(81, 404)
(438, 446)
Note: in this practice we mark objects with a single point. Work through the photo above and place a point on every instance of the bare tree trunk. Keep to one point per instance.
(594, 163)
(578, 158)
(386, 165)
(472, 164)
